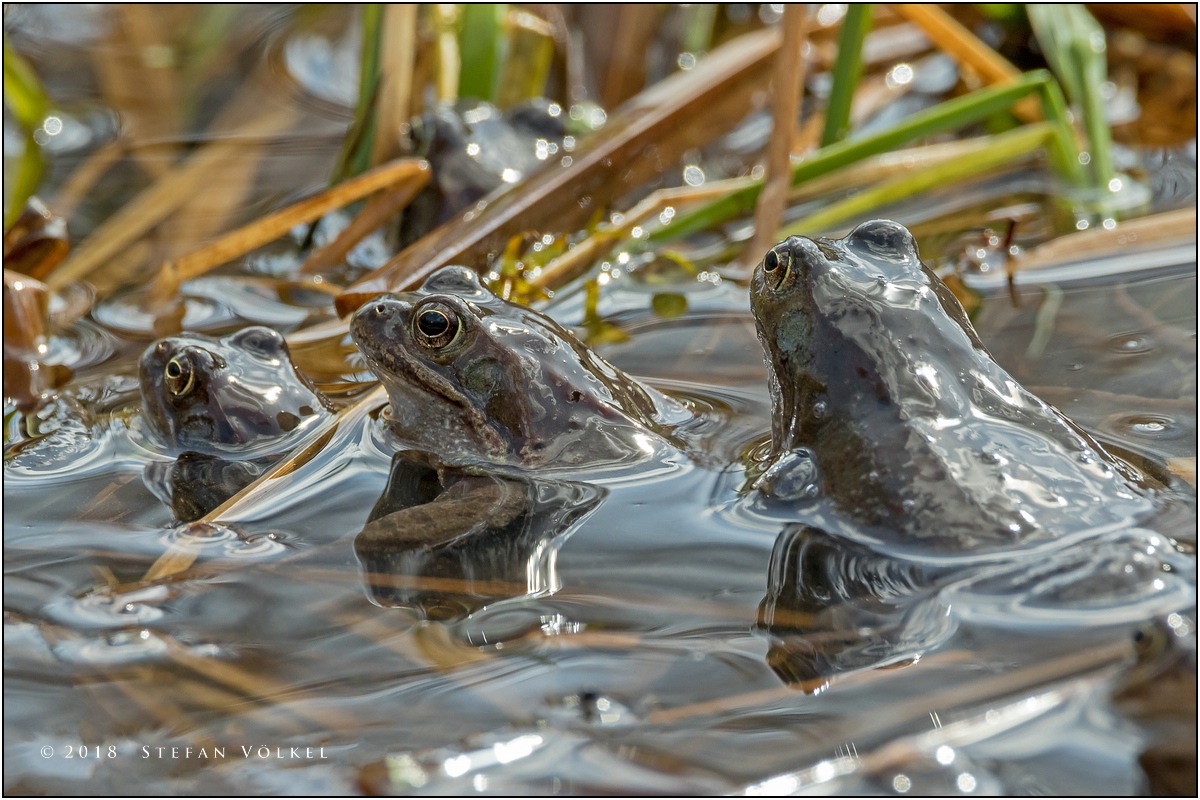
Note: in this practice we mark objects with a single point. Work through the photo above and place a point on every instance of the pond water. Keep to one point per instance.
(611, 638)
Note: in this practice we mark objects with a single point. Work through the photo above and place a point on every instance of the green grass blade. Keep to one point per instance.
(24, 182)
(23, 92)
(1064, 153)
(698, 27)
(355, 154)
(1074, 46)
(995, 151)
(29, 104)
(946, 116)
(1052, 27)
(847, 71)
(481, 44)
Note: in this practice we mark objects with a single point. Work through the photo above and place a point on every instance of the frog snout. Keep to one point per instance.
(379, 317)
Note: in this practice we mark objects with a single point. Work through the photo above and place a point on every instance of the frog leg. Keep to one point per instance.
(792, 476)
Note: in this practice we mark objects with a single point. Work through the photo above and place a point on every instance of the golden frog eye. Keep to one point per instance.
(436, 325)
(179, 375)
(776, 264)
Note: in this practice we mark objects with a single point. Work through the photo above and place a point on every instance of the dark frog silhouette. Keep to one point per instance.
(887, 403)
(225, 407)
(908, 455)
(476, 381)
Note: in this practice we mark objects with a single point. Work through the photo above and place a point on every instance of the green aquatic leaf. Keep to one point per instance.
(481, 43)
(28, 102)
(1075, 47)
(847, 71)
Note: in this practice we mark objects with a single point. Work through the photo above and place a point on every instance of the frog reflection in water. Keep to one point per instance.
(445, 546)
(224, 406)
(476, 381)
(891, 416)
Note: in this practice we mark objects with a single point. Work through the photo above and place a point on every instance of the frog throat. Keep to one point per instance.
(414, 376)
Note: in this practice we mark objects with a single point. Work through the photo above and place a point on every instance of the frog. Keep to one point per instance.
(910, 462)
(888, 406)
(475, 149)
(477, 382)
(236, 394)
(224, 408)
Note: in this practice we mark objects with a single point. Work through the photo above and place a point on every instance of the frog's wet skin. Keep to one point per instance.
(891, 416)
(229, 395)
(226, 407)
(480, 382)
(888, 405)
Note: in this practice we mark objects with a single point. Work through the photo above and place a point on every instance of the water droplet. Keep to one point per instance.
(1149, 425)
(1131, 343)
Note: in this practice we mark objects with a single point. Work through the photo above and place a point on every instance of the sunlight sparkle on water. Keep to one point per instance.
(459, 765)
(784, 784)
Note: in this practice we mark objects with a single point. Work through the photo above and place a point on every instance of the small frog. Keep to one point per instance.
(236, 394)
(477, 381)
(225, 408)
(887, 404)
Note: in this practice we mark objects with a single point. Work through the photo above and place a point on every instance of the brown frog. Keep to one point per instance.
(477, 381)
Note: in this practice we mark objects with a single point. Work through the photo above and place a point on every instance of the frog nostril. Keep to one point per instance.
(381, 309)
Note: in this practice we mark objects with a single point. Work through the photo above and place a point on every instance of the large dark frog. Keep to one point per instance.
(915, 465)
(477, 381)
(888, 405)
(238, 394)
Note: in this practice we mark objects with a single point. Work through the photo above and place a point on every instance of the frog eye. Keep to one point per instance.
(436, 325)
(776, 265)
(179, 375)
